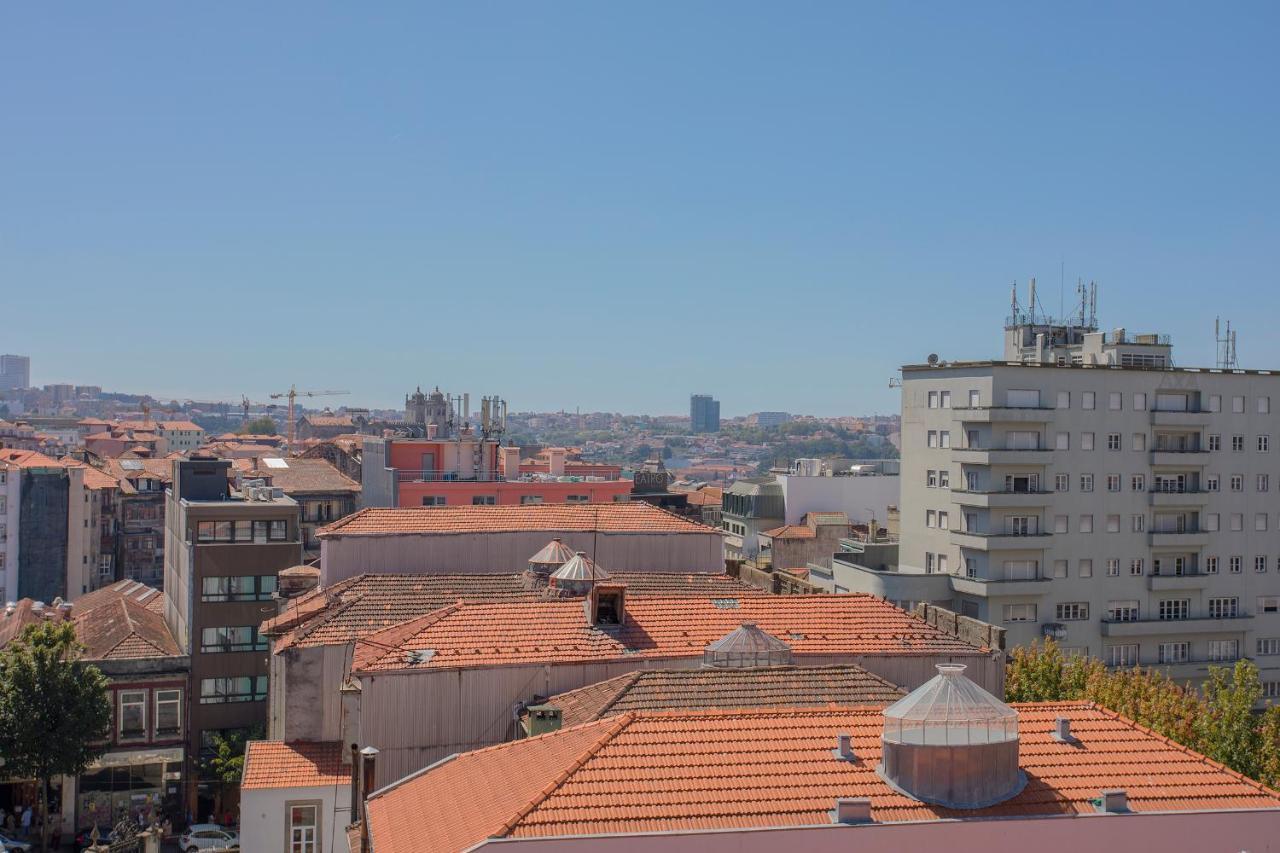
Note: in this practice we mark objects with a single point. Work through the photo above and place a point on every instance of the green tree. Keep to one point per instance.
(259, 426)
(1230, 730)
(225, 765)
(55, 714)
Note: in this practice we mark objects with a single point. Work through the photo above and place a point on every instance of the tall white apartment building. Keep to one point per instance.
(1085, 489)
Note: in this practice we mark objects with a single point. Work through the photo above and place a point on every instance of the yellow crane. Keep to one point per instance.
(293, 394)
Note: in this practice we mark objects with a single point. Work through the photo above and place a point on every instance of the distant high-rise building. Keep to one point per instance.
(15, 372)
(704, 412)
(769, 420)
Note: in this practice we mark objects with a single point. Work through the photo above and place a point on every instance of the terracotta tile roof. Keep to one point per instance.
(363, 604)
(700, 689)
(299, 476)
(745, 769)
(188, 426)
(123, 621)
(631, 517)
(790, 531)
(12, 623)
(328, 420)
(27, 458)
(293, 764)
(706, 496)
(498, 633)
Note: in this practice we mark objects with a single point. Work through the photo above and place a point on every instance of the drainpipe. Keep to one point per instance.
(369, 757)
(355, 783)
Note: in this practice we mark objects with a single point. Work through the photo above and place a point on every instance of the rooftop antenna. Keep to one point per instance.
(1032, 306)
(1226, 345)
(1013, 305)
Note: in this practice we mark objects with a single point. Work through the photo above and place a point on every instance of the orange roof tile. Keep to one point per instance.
(728, 688)
(27, 458)
(745, 769)
(295, 764)
(499, 633)
(791, 531)
(631, 517)
(359, 606)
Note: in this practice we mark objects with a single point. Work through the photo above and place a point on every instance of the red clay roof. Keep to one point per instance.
(27, 458)
(295, 764)
(501, 633)
(791, 531)
(359, 606)
(630, 517)
(302, 476)
(744, 769)
(700, 689)
(123, 621)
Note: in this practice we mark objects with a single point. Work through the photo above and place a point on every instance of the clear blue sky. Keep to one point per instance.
(611, 206)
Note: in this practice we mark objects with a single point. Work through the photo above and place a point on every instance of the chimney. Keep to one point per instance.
(1113, 801)
(844, 748)
(510, 462)
(555, 461)
(369, 758)
(1062, 730)
(432, 431)
(853, 810)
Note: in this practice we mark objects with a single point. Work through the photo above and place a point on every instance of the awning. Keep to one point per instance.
(136, 756)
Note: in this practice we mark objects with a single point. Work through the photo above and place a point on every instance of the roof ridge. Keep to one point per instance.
(1217, 765)
(622, 691)
(410, 626)
(620, 723)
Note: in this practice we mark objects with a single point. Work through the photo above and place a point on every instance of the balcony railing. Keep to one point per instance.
(410, 476)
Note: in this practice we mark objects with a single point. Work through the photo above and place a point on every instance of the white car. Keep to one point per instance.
(207, 836)
(8, 843)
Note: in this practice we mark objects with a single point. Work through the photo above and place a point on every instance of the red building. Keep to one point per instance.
(469, 469)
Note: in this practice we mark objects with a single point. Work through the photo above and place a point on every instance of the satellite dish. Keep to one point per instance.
(933, 358)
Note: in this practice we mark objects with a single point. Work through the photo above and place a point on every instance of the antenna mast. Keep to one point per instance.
(1225, 344)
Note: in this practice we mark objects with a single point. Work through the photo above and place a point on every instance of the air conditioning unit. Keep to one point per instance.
(277, 493)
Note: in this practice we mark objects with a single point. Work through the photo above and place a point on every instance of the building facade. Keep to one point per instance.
(15, 372)
(222, 551)
(1083, 489)
(704, 413)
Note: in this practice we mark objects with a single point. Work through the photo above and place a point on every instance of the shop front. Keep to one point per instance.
(139, 785)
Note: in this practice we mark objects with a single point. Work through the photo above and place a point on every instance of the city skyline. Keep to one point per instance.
(516, 202)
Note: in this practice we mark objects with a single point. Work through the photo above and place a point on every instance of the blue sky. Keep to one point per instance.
(611, 206)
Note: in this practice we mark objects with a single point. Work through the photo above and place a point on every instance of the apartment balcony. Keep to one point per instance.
(1179, 419)
(1173, 583)
(1002, 456)
(998, 587)
(1180, 458)
(1000, 541)
(1002, 414)
(1000, 499)
(1190, 498)
(1182, 670)
(1176, 627)
(1178, 538)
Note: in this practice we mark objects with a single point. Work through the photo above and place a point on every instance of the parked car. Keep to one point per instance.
(8, 843)
(207, 836)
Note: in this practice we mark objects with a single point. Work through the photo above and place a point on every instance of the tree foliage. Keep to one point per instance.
(259, 426)
(1217, 720)
(226, 764)
(55, 713)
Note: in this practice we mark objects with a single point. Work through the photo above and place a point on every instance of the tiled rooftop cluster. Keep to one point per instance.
(631, 517)
(743, 769)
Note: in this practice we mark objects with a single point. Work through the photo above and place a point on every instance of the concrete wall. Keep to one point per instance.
(856, 497)
(506, 552)
(42, 531)
(1192, 832)
(264, 817)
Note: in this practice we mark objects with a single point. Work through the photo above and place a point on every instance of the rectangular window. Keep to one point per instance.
(1060, 524)
(1086, 568)
(577, 499)
(928, 563)
(1237, 482)
(1139, 402)
(1113, 482)
(304, 829)
(1212, 522)
(1264, 482)
(1086, 441)
(930, 518)
(204, 531)
(945, 399)
(1237, 444)
(1123, 611)
(1175, 652)
(1234, 564)
(218, 691)
(1019, 613)
(975, 399)
(1210, 565)
(1139, 441)
(1062, 441)
(1122, 655)
(133, 713)
(1215, 402)
(1113, 567)
(933, 399)
(1174, 608)
(1260, 563)
(1215, 442)
(944, 479)
(484, 500)
(1264, 405)
(1086, 524)
(1113, 441)
(168, 712)
(1138, 483)
(1114, 401)
(1064, 400)
(530, 499)
(944, 438)
(1224, 608)
(1059, 568)
(1073, 611)
(942, 564)
(1086, 482)
(239, 638)
(1260, 521)
(1237, 405)
(1268, 646)
(932, 438)
(1138, 523)
(1087, 400)
(944, 520)
(1137, 566)
(1269, 604)
(931, 479)
(1237, 521)
(1113, 524)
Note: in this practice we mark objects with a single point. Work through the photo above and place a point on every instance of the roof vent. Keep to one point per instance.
(747, 646)
(852, 810)
(951, 743)
(578, 574)
(1062, 731)
(1114, 801)
(554, 555)
(844, 748)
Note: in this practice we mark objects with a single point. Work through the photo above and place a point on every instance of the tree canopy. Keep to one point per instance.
(1217, 720)
(259, 426)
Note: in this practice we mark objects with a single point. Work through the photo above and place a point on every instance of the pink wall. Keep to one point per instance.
(460, 493)
(1168, 832)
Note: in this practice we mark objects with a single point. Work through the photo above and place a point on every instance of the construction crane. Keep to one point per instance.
(293, 394)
